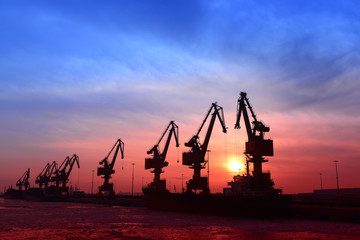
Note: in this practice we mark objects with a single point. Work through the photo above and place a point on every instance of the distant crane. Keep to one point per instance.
(24, 180)
(157, 161)
(45, 175)
(195, 158)
(61, 175)
(107, 170)
(255, 148)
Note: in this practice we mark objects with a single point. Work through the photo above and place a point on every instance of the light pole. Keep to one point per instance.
(132, 181)
(321, 182)
(208, 168)
(92, 182)
(182, 182)
(337, 177)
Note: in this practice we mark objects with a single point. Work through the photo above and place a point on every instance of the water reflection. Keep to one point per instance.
(75, 206)
(61, 220)
(14, 207)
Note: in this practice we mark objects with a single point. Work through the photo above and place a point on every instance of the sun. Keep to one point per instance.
(235, 166)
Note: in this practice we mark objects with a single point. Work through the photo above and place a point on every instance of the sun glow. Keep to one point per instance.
(235, 166)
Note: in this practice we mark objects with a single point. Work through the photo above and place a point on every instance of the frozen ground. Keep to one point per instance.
(36, 220)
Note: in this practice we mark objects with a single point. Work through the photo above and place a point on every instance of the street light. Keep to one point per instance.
(208, 168)
(92, 182)
(337, 177)
(321, 182)
(132, 181)
(182, 182)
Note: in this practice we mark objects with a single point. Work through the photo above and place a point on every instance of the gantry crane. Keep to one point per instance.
(157, 161)
(45, 176)
(255, 148)
(195, 158)
(61, 175)
(24, 180)
(107, 170)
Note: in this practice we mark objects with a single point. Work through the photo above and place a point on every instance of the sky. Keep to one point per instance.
(76, 76)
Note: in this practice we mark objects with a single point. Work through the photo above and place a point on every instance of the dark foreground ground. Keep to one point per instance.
(64, 220)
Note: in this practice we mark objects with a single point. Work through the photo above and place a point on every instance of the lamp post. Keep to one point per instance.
(208, 168)
(337, 177)
(182, 182)
(132, 180)
(321, 187)
(92, 182)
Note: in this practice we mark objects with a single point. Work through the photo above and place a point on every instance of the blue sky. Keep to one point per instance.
(80, 71)
(51, 46)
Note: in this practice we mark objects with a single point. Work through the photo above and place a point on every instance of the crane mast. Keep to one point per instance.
(24, 180)
(45, 175)
(61, 175)
(195, 158)
(107, 170)
(157, 161)
(255, 148)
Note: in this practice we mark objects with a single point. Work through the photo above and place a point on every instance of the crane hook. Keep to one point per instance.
(178, 155)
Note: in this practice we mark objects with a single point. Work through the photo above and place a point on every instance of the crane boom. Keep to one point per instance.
(242, 108)
(174, 130)
(217, 111)
(64, 164)
(155, 149)
(258, 126)
(71, 163)
(118, 145)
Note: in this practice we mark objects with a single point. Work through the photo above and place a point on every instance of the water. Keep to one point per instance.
(37, 220)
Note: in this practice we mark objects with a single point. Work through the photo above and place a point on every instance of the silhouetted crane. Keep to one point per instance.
(196, 156)
(24, 180)
(107, 170)
(61, 175)
(45, 175)
(256, 147)
(157, 161)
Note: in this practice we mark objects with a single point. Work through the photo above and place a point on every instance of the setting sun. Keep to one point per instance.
(235, 166)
